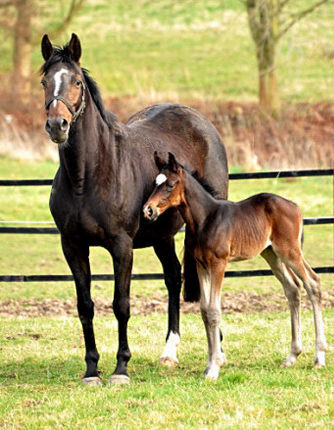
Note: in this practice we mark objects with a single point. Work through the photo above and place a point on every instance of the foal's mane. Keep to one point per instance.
(63, 55)
(194, 173)
(214, 193)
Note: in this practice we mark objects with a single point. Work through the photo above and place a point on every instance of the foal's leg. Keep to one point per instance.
(311, 282)
(210, 282)
(77, 256)
(291, 285)
(172, 273)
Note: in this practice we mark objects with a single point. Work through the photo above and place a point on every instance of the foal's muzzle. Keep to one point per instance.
(149, 213)
(58, 129)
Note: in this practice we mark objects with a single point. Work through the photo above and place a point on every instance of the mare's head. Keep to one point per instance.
(64, 87)
(168, 190)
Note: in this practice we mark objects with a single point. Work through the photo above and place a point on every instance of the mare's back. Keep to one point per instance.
(189, 136)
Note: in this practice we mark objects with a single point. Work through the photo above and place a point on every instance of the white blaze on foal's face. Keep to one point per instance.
(160, 179)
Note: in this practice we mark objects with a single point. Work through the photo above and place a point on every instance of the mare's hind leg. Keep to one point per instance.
(292, 286)
(311, 282)
(77, 256)
(172, 273)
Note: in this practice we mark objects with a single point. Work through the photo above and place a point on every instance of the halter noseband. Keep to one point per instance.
(75, 114)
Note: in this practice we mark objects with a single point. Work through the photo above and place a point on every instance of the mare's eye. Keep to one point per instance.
(43, 82)
(78, 83)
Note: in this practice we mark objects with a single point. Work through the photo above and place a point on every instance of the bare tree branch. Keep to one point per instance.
(298, 16)
(76, 5)
(7, 3)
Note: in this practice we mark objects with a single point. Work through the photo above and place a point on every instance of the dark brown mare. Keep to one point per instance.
(222, 231)
(106, 173)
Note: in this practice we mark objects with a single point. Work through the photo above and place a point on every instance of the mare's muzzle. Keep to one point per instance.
(58, 129)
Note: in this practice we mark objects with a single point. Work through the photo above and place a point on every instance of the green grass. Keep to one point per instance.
(189, 49)
(42, 364)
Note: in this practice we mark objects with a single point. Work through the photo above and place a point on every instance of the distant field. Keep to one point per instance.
(189, 49)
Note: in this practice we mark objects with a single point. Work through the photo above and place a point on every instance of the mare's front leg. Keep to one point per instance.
(172, 273)
(122, 254)
(77, 256)
(210, 279)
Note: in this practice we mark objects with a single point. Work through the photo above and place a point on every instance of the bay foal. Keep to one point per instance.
(222, 231)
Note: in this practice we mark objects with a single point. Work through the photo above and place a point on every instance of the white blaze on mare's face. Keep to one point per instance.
(58, 81)
(160, 179)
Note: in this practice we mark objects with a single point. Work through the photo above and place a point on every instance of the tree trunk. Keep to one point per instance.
(263, 23)
(269, 97)
(21, 75)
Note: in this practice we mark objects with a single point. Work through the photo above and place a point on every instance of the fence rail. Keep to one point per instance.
(158, 276)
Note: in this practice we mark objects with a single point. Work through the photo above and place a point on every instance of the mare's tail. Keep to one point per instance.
(191, 287)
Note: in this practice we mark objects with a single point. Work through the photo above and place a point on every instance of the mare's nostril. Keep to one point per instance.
(64, 125)
(48, 126)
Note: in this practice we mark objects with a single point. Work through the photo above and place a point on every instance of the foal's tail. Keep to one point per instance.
(191, 287)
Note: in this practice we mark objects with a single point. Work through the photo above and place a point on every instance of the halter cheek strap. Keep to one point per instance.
(75, 114)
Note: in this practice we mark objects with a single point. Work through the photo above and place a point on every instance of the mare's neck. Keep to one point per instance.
(88, 148)
(197, 205)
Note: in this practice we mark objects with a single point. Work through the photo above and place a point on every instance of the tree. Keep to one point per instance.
(18, 20)
(269, 21)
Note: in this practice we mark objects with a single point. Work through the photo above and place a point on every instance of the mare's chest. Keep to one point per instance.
(89, 216)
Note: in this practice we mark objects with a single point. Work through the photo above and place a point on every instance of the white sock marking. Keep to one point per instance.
(170, 350)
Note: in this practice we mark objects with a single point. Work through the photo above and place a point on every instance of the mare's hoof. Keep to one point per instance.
(168, 361)
(119, 380)
(92, 381)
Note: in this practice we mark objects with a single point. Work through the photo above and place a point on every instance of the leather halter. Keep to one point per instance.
(75, 114)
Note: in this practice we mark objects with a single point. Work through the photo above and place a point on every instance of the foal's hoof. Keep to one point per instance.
(318, 366)
(168, 361)
(119, 380)
(92, 381)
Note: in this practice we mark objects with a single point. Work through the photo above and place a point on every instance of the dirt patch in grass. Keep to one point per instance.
(241, 302)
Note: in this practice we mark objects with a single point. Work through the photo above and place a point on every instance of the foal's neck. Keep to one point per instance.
(197, 205)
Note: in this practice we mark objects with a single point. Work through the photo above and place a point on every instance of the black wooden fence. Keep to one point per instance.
(155, 276)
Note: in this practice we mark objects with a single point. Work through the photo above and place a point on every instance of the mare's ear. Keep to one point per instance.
(172, 163)
(159, 160)
(47, 48)
(75, 48)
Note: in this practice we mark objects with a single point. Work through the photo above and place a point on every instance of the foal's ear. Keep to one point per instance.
(159, 160)
(47, 48)
(172, 163)
(75, 48)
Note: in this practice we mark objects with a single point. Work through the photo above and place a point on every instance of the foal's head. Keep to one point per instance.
(64, 87)
(168, 190)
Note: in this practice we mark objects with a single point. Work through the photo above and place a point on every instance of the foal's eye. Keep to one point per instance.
(170, 187)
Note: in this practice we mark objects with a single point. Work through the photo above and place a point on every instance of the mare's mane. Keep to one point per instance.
(64, 55)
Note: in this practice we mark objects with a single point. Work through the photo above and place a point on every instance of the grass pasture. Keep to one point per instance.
(42, 358)
(42, 363)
